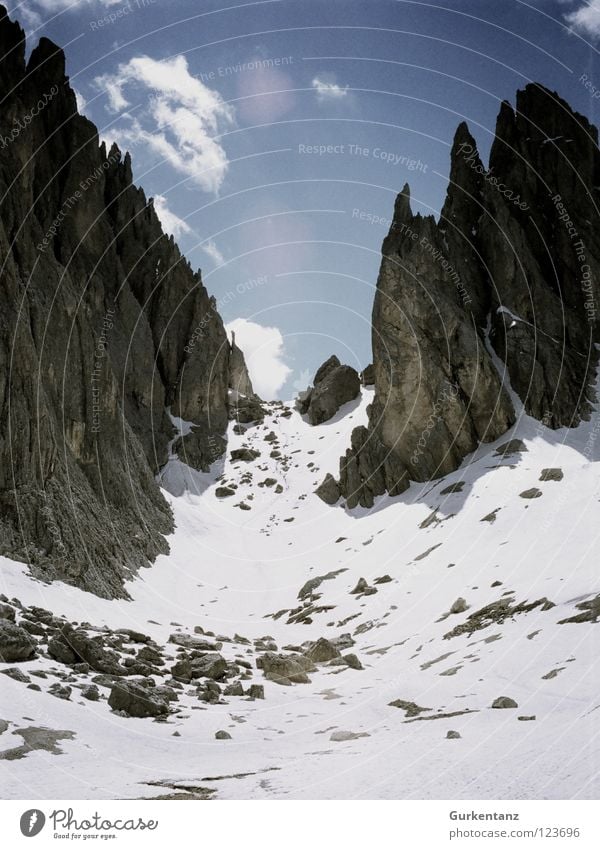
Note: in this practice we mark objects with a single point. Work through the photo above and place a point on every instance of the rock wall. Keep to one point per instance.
(503, 289)
(99, 318)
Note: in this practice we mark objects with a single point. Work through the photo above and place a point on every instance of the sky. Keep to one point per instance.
(275, 135)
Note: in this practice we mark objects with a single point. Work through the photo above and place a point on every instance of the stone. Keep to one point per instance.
(222, 735)
(136, 700)
(60, 651)
(534, 492)
(551, 475)
(352, 661)
(91, 693)
(322, 651)
(328, 490)
(256, 691)
(245, 454)
(7, 612)
(459, 606)
(16, 674)
(453, 735)
(360, 587)
(334, 385)
(504, 702)
(15, 643)
(91, 650)
(60, 691)
(285, 669)
(224, 492)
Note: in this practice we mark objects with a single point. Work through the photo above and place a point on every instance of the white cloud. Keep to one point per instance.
(211, 250)
(264, 353)
(328, 90)
(81, 101)
(171, 222)
(586, 19)
(177, 116)
(29, 10)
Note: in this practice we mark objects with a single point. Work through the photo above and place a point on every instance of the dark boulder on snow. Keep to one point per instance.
(334, 385)
(328, 491)
(135, 699)
(15, 643)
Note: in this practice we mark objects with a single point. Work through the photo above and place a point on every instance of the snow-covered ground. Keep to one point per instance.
(231, 569)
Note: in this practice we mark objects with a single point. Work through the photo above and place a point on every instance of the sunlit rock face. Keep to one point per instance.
(501, 292)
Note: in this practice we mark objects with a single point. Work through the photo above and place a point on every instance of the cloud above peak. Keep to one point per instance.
(585, 19)
(172, 113)
(264, 353)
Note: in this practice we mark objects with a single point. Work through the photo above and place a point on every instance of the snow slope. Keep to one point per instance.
(231, 570)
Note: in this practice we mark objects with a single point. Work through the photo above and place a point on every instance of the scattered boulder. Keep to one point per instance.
(133, 699)
(322, 651)
(459, 606)
(410, 708)
(16, 674)
(7, 612)
(245, 454)
(222, 735)
(352, 661)
(285, 669)
(60, 651)
(504, 702)
(256, 691)
(590, 612)
(15, 643)
(91, 693)
(551, 475)
(452, 735)
(60, 692)
(91, 650)
(534, 492)
(314, 583)
(328, 490)
(224, 492)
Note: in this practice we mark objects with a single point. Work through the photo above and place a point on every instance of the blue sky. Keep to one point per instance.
(275, 135)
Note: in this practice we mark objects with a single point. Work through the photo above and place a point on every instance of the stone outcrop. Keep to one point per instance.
(104, 327)
(502, 292)
(333, 386)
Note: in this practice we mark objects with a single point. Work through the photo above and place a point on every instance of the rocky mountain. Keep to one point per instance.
(498, 297)
(104, 330)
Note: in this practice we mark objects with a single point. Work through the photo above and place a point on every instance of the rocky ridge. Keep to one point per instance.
(105, 329)
(499, 295)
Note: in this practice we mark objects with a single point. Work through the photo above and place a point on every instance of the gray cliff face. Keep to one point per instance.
(510, 272)
(103, 327)
(239, 379)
